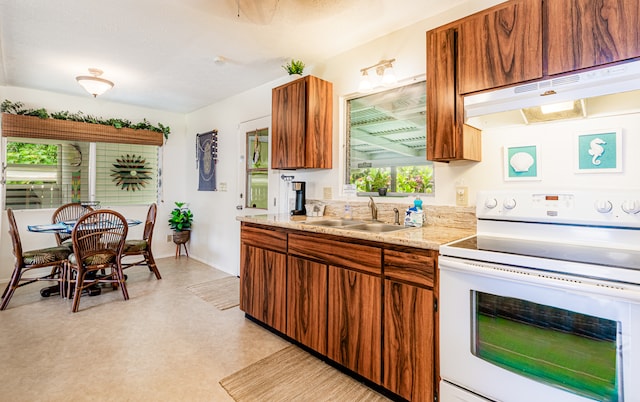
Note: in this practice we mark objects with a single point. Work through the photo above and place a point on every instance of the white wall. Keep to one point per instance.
(174, 154)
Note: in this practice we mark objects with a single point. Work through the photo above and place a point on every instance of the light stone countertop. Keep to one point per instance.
(426, 237)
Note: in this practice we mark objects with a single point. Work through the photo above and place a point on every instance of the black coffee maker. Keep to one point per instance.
(299, 188)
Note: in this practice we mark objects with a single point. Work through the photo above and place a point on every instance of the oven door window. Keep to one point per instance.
(562, 348)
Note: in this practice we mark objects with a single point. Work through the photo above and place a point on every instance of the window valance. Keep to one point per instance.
(14, 125)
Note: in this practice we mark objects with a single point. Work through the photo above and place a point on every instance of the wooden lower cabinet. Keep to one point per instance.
(263, 285)
(368, 308)
(408, 341)
(354, 321)
(307, 303)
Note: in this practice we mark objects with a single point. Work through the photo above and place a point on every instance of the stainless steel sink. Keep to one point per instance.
(376, 227)
(364, 226)
(337, 223)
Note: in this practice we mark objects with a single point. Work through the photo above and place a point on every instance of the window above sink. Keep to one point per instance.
(386, 142)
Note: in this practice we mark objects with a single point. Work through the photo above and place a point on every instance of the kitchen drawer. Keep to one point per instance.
(415, 266)
(265, 237)
(338, 253)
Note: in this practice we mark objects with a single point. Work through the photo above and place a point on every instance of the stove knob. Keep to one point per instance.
(631, 206)
(509, 203)
(490, 203)
(603, 206)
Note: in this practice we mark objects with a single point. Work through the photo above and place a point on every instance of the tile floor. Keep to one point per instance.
(164, 344)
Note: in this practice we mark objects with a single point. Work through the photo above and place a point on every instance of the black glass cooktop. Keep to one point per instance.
(610, 257)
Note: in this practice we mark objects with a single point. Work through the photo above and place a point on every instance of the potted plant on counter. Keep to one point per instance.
(180, 222)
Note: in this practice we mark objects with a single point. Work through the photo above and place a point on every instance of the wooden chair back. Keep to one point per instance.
(98, 237)
(68, 212)
(150, 223)
(15, 238)
(98, 242)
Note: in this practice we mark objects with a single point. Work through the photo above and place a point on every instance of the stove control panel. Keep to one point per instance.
(610, 208)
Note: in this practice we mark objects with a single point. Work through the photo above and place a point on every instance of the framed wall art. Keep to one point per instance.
(598, 152)
(206, 159)
(521, 162)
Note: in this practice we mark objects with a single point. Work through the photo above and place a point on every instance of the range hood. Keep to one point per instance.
(603, 81)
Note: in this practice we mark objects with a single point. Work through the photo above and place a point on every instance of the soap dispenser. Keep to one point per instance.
(417, 203)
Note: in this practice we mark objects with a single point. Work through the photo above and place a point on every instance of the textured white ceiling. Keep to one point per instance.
(161, 53)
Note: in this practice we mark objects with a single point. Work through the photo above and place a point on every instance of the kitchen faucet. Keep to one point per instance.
(374, 209)
(396, 216)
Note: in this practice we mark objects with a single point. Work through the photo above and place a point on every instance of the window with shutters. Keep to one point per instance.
(44, 173)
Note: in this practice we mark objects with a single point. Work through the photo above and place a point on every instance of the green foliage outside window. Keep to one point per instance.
(409, 179)
(368, 180)
(20, 153)
(32, 154)
(415, 179)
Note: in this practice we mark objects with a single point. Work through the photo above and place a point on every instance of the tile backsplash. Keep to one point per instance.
(450, 216)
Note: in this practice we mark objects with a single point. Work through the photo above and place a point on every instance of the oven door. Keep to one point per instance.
(513, 334)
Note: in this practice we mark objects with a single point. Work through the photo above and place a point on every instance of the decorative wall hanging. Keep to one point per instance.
(521, 162)
(131, 172)
(206, 158)
(76, 181)
(599, 152)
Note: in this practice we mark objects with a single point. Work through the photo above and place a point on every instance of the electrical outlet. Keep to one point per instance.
(462, 196)
(169, 238)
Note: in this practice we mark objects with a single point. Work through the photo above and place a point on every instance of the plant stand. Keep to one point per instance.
(178, 249)
(181, 239)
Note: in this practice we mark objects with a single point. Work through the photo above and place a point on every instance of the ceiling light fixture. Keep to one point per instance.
(384, 72)
(93, 83)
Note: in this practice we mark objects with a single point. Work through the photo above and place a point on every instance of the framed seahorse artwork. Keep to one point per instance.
(598, 152)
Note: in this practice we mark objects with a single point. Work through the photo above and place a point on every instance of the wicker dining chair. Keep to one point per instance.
(68, 212)
(53, 257)
(142, 247)
(98, 240)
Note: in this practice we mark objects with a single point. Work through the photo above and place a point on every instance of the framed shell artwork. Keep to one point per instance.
(521, 162)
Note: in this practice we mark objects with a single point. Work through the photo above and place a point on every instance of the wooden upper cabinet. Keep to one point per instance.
(301, 126)
(448, 138)
(587, 33)
(442, 100)
(501, 46)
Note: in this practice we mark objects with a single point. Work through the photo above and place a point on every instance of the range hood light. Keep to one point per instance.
(557, 111)
(556, 107)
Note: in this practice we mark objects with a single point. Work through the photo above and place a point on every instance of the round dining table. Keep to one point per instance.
(66, 227)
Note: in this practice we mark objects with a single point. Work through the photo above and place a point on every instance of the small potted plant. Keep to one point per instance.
(294, 67)
(180, 222)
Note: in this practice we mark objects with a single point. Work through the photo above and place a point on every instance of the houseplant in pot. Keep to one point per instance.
(294, 67)
(180, 222)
